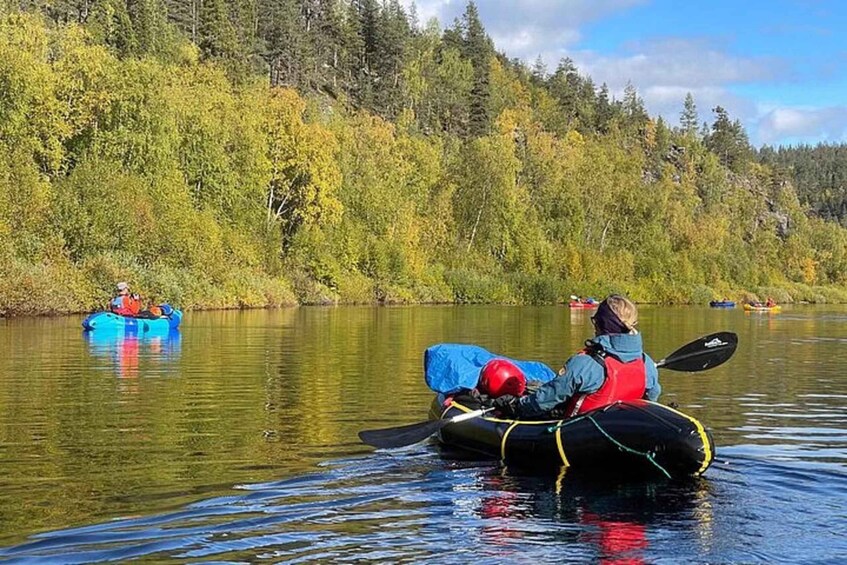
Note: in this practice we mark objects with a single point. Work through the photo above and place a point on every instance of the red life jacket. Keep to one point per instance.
(624, 381)
(125, 306)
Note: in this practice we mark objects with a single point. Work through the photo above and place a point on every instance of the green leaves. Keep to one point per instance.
(128, 151)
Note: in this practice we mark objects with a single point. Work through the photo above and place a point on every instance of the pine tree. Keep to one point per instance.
(282, 39)
(688, 119)
(329, 39)
(478, 48)
(633, 106)
(728, 141)
(392, 43)
(539, 71)
(150, 26)
(185, 15)
(605, 109)
(565, 87)
(453, 37)
(219, 38)
(366, 14)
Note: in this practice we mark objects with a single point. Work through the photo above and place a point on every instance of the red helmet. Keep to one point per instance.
(499, 377)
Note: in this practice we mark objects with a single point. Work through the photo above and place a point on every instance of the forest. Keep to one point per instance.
(253, 153)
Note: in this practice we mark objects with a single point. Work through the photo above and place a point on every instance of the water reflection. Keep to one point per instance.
(414, 506)
(582, 317)
(265, 396)
(605, 522)
(156, 350)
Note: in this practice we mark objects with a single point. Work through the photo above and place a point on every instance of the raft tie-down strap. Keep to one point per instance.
(503, 441)
(647, 455)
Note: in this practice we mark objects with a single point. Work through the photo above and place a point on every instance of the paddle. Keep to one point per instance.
(701, 354)
(413, 433)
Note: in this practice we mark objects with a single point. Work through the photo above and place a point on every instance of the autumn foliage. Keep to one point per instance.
(460, 176)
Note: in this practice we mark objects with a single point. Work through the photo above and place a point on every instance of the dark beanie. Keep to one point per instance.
(607, 322)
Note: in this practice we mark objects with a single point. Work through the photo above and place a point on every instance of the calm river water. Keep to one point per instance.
(235, 440)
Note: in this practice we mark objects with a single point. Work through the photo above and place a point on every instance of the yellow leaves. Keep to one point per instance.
(30, 117)
(26, 33)
(85, 75)
(507, 91)
(514, 122)
(200, 169)
(99, 209)
(406, 119)
(304, 173)
(24, 198)
(571, 263)
(574, 139)
(489, 203)
(187, 53)
(810, 270)
(649, 138)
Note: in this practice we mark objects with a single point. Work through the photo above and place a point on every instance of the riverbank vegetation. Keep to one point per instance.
(257, 153)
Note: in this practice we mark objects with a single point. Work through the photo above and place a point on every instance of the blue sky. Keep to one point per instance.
(778, 66)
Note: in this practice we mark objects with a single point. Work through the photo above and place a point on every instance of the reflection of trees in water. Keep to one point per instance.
(157, 349)
(611, 520)
(312, 377)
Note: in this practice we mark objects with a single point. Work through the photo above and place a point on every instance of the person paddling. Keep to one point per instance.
(125, 304)
(612, 367)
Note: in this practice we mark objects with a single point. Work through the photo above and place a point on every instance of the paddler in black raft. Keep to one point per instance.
(612, 367)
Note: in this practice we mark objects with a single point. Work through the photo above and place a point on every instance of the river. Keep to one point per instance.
(235, 440)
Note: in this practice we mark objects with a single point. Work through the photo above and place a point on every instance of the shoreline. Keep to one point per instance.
(383, 304)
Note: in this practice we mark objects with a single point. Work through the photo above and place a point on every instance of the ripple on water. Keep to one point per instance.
(159, 431)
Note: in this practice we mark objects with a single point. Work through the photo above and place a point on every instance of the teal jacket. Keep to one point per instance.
(582, 373)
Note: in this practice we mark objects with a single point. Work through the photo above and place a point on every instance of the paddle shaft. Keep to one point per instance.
(469, 415)
(401, 436)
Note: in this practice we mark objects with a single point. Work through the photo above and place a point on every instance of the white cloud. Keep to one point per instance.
(427, 9)
(665, 70)
(667, 101)
(804, 124)
(662, 69)
(526, 28)
(685, 63)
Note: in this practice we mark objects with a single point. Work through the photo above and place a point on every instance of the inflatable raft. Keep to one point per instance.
(107, 321)
(584, 305)
(635, 438)
(722, 304)
(754, 308)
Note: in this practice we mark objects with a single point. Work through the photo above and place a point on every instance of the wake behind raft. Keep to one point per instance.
(633, 438)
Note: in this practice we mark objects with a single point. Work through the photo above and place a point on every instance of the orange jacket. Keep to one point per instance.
(125, 305)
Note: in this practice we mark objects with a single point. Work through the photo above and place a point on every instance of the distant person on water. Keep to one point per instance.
(125, 304)
(612, 367)
(770, 302)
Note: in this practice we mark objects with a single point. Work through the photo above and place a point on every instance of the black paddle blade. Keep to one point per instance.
(401, 436)
(701, 354)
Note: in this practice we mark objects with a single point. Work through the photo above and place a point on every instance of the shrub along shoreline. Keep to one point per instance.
(284, 297)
